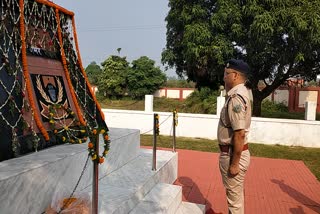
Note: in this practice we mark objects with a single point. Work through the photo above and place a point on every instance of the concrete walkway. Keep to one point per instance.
(274, 186)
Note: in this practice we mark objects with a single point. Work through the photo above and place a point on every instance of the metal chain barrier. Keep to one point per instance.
(165, 120)
(159, 125)
(147, 131)
(74, 189)
(76, 186)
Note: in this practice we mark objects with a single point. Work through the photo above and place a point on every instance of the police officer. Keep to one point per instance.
(233, 128)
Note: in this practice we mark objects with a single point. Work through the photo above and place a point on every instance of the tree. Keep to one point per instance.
(278, 39)
(93, 72)
(118, 79)
(112, 82)
(144, 78)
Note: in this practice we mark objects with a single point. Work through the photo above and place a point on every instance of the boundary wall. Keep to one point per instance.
(263, 130)
(295, 98)
(175, 93)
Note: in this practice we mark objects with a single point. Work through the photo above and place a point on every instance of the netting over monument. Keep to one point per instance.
(45, 97)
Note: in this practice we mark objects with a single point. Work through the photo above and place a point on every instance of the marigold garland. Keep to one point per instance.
(65, 68)
(82, 69)
(81, 135)
(175, 113)
(92, 144)
(26, 73)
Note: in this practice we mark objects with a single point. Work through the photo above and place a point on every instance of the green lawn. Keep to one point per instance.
(167, 105)
(159, 104)
(310, 156)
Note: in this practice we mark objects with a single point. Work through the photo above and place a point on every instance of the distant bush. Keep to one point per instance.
(270, 106)
(203, 101)
(270, 109)
(179, 83)
(313, 83)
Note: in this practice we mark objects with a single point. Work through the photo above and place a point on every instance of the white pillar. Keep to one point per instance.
(220, 103)
(148, 103)
(310, 110)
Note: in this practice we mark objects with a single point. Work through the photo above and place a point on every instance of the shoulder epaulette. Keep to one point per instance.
(237, 95)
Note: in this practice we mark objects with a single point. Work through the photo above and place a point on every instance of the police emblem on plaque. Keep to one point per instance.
(50, 91)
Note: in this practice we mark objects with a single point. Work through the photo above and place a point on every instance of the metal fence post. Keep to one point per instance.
(95, 182)
(174, 124)
(155, 133)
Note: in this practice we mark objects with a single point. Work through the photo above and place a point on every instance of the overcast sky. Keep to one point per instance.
(137, 27)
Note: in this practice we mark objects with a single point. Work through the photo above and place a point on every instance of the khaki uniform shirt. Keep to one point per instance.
(235, 115)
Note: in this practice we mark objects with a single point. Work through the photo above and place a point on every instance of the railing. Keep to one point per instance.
(174, 125)
(156, 132)
(95, 182)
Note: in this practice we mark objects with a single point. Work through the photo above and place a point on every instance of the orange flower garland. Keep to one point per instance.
(92, 145)
(101, 160)
(82, 70)
(26, 73)
(64, 63)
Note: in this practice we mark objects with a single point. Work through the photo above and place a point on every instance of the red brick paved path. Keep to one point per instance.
(274, 186)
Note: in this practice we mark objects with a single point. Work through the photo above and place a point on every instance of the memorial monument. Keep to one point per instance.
(45, 97)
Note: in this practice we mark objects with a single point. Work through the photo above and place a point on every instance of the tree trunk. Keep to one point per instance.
(257, 106)
(257, 100)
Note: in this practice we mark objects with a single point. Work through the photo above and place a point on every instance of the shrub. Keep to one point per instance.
(269, 106)
(203, 101)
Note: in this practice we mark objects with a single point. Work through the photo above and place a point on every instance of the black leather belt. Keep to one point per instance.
(226, 148)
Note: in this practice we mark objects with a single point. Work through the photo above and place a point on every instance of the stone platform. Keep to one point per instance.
(126, 182)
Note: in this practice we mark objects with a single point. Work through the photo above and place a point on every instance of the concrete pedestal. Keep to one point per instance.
(148, 105)
(310, 110)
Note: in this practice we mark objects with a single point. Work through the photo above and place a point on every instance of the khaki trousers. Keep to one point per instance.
(234, 186)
